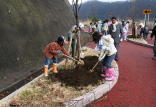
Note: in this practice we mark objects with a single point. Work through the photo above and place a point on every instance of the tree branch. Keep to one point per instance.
(80, 5)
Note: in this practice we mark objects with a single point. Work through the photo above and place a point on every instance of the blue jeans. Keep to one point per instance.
(48, 61)
(154, 50)
(105, 32)
(108, 60)
(73, 48)
(141, 32)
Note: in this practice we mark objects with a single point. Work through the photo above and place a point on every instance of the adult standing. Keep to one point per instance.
(154, 34)
(104, 28)
(125, 30)
(146, 32)
(116, 31)
(123, 23)
(90, 27)
(73, 38)
(99, 26)
(141, 29)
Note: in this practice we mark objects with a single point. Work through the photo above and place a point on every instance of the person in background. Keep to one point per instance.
(104, 28)
(116, 31)
(107, 21)
(154, 34)
(99, 26)
(51, 52)
(125, 30)
(73, 38)
(146, 32)
(105, 44)
(94, 28)
(123, 23)
(90, 27)
(141, 25)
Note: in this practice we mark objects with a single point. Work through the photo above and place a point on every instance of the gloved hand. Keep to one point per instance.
(103, 48)
(107, 48)
(100, 59)
(70, 58)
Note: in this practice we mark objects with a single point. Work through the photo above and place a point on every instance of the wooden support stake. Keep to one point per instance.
(75, 46)
(71, 36)
(78, 40)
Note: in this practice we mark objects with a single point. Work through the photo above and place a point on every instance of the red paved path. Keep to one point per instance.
(136, 86)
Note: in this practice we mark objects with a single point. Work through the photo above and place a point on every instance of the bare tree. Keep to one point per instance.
(133, 13)
(76, 9)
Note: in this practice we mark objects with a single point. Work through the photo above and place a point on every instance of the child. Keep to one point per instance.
(51, 52)
(105, 44)
(125, 30)
(104, 28)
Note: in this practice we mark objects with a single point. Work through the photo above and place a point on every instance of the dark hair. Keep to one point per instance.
(114, 18)
(107, 20)
(96, 37)
(60, 41)
(127, 21)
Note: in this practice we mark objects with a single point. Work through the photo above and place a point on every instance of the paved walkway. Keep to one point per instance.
(136, 86)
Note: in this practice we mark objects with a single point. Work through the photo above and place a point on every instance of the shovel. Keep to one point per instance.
(90, 71)
(80, 62)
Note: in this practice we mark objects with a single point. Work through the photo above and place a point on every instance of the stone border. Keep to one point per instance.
(87, 98)
(142, 44)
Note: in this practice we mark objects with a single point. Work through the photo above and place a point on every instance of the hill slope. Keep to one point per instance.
(26, 27)
(119, 9)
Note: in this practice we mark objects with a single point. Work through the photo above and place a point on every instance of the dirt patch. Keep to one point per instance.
(79, 76)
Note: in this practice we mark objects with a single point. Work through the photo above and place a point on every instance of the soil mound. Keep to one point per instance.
(79, 76)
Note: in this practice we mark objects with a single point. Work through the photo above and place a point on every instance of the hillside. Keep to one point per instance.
(119, 9)
(26, 27)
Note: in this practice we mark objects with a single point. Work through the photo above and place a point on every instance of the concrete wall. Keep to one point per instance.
(26, 27)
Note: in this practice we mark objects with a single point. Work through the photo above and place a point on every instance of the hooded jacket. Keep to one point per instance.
(52, 50)
(108, 42)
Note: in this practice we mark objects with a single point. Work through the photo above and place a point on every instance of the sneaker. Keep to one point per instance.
(154, 58)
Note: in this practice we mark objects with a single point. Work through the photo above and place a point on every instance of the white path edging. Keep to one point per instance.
(25, 86)
(142, 44)
(94, 94)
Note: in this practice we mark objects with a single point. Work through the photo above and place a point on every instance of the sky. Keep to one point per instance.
(70, 1)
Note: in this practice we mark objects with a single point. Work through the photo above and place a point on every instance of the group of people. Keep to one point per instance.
(107, 44)
(143, 30)
(100, 26)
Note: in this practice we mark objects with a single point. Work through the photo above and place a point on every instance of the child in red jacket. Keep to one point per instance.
(51, 52)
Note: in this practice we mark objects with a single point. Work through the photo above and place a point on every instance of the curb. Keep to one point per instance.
(142, 44)
(94, 94)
